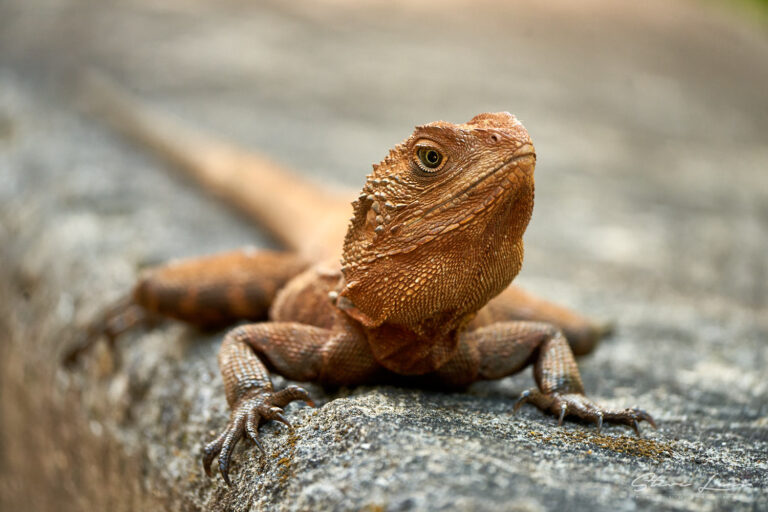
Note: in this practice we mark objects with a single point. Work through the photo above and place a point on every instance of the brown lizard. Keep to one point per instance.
(422, 289)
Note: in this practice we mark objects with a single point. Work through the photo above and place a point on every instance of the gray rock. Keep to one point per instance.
(651, 211)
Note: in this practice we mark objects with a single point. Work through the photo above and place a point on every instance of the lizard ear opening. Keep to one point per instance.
(361, 231)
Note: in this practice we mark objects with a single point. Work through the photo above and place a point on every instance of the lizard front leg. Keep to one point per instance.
(297, 351)
(502, 349)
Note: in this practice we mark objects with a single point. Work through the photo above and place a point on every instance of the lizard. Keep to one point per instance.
(421, 290)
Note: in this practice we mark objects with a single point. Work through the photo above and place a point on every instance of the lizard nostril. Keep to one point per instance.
(495, 137)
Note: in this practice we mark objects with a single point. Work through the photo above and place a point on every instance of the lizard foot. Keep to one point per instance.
(122, 316)
(251, 410)
(576, 404)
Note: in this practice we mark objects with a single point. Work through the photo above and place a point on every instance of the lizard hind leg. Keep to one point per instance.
(207, 292)
(514, 303)
(507, 347)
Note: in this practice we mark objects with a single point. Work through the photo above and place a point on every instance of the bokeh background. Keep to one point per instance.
(650, 121)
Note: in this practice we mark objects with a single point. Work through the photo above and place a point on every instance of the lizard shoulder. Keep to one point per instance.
(308, 298)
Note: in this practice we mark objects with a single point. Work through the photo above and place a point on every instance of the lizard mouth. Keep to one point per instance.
(524, 153)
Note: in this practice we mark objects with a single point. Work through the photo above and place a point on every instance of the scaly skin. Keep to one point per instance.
(422, 289)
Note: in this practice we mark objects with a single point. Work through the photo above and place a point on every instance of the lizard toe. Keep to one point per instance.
(252, 430)
(631, 417)
(529, 395)
(289, 394)
(578, 405)
(248, 413)
(273, 413)
(210, 451)
(225, 455)
(574, 404)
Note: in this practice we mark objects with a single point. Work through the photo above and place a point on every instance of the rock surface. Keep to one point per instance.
(652, 210)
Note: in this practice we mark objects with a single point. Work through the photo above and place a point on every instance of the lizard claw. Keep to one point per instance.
(251, 410)
(274, 413)
(252, 429)
(524, 397)
(210, 451)
(576, 404)
(631, 417)
(293, 392)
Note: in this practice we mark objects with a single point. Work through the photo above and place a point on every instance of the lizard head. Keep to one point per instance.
(437, 229)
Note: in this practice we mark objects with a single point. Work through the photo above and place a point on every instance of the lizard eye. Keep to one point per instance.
(430, 158)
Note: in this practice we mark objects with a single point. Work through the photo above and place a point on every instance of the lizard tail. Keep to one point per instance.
(305, 217)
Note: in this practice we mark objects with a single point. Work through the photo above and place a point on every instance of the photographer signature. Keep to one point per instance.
(652, 480)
